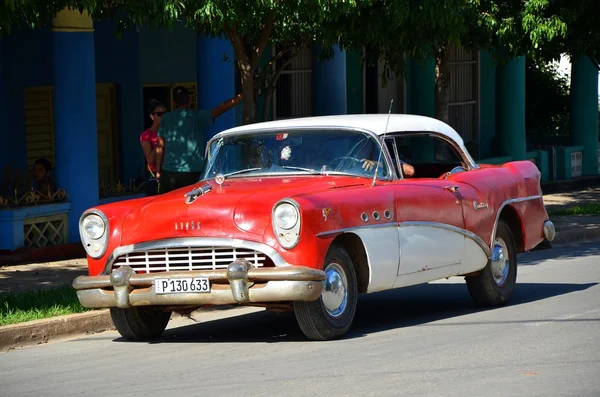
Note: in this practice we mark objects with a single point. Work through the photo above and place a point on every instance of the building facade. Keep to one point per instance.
(77, 95)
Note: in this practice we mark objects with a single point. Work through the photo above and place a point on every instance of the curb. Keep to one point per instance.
(576, 236)
(41, 331)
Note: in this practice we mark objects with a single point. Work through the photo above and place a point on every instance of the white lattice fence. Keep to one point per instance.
(576, 164)
(45, 231)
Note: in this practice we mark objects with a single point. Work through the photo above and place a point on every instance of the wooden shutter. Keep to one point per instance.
(39, 124)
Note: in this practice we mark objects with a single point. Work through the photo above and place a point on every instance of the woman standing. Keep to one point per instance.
(149, 140)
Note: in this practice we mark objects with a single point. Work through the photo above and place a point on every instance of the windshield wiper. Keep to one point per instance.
(242, 171)
(309, 170)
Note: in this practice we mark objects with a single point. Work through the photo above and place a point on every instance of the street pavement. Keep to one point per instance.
(428, 340)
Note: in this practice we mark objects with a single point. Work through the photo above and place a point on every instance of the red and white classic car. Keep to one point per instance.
(306, 214)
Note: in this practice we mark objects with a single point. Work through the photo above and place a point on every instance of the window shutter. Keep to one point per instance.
(39, 124)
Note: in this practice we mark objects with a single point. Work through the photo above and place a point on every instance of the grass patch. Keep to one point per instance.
(20, 307)
(584, 209)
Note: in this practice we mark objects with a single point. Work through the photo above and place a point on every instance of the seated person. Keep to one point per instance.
(43, 177)
(368, 165)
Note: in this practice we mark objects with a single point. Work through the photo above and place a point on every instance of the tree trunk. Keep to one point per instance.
(249, 101)
(442, 84)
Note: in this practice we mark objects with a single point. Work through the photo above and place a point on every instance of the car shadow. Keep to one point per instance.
(378, 312)
(559, 253)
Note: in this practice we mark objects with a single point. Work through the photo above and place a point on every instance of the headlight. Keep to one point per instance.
(94, 232)
(286, 216)
(93, 226)
(286, 223)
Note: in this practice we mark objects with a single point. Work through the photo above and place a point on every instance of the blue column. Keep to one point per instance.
(216, 80)
(76, 135)
(584, 111)
(329, 83)
(510, 108)
(4, 133)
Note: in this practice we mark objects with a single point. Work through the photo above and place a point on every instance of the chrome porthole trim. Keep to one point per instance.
(387, 214)
(364, 217)
(376, 215)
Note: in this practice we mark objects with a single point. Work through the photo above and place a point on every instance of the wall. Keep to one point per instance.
(487, 104)
(118, 61)
(168, 56)
(26, 62)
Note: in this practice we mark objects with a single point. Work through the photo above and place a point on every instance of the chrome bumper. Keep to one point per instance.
(549, 230)
(240, 283)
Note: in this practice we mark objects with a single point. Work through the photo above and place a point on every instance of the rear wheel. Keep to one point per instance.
(140, 323)
(331, 316)
(496, 283)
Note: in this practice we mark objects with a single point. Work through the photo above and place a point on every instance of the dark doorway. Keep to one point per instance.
(371, 89)
(160, 93)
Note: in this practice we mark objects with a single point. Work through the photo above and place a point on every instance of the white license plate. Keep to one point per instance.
(181, 285)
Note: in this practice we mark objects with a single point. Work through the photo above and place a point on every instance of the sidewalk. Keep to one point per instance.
(15, 278)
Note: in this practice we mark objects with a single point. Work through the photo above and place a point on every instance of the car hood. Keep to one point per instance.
(241, 206)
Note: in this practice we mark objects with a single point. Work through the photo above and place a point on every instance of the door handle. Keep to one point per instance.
(453, 189)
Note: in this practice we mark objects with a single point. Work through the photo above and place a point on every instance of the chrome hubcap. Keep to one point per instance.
(500, 262)
(335, 294)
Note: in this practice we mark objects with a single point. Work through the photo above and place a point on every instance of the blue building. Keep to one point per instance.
(76, 94)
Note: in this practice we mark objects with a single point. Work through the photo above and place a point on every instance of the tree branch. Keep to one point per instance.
(265, 34)
(239, 49)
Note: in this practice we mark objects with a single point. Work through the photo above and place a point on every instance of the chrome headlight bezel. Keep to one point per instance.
(288, 235)
(94, 246)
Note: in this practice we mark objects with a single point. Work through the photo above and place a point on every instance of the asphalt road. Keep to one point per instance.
(427, 340)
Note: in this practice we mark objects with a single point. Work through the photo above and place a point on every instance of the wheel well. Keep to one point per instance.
(512, 219)
(356, 249)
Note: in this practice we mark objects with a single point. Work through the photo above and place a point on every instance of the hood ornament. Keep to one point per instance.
(190, 197)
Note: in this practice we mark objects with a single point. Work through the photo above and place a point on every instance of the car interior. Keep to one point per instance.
(430, 156)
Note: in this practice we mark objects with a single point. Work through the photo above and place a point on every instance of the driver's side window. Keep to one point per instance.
(430, 156)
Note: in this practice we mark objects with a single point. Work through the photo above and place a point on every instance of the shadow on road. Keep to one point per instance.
(559, 253)
(406, 307)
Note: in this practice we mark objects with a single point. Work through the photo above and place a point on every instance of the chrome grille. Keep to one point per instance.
(188, 258)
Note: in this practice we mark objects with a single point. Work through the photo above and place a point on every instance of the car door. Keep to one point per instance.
(430, 228)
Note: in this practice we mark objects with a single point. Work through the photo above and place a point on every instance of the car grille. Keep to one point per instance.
(189, 258)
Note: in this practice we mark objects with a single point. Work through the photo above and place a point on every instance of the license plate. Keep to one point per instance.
(181, 285)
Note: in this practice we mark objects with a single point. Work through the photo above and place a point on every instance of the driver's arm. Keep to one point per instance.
(407, 170)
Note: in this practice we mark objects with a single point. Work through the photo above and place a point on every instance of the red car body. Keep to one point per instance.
(396, 231)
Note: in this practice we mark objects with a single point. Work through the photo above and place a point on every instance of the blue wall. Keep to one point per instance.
(168, 56)
(329, 83)
(118, 61)
(26, 59)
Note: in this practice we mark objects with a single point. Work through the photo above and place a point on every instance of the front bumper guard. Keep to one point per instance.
(239, 283)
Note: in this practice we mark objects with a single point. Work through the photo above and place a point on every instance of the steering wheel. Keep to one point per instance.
(453, 171)
(336, 162)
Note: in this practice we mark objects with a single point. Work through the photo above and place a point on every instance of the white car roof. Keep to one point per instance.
(371, 122)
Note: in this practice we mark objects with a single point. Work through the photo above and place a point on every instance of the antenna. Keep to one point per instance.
(384, 133)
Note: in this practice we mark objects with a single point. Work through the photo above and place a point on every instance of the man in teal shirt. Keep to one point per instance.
(180, 148)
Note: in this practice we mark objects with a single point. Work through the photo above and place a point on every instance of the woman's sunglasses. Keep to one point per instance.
(159, 114)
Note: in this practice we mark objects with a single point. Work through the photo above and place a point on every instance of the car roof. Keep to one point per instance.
(375, 123)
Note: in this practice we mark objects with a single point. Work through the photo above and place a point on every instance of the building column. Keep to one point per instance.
(510, 108)
(354, 82)
(4, 132)
(75, 126)
(329, 83)
(487, 104)
(422, 102)
(584, 111)
(216, 80)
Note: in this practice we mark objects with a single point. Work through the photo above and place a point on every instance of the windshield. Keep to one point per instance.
(295, 152)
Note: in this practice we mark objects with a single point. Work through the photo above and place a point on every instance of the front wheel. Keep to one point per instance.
(496, 283)
(140, 323)
(330, 316)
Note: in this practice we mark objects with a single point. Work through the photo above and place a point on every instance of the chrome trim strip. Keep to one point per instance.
(504, 204)
(350, 229)
(194, 242)
(456, 229)
(464, 232)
